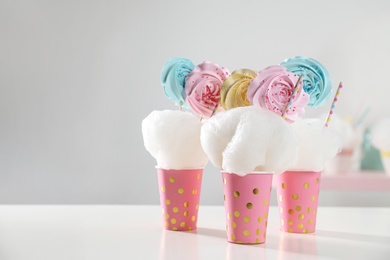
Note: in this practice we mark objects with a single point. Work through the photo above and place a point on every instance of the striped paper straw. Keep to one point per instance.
(290, 102)
(333, 104)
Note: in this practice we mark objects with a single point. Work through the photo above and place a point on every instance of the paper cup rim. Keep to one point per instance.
(251, 173)
(302, 171)
(160, 168)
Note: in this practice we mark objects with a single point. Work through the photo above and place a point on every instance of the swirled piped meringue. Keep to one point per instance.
(235, 87)
(272, 89)
(203, 88)
(173, 76)
(316, 79)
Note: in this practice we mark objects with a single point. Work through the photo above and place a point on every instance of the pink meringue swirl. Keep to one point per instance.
(272, 89)
(203, 88)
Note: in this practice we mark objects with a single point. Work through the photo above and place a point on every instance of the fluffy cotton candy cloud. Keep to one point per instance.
(317, 144)
(249, 139)
(351, 138)
(173, 139)
(381, 134)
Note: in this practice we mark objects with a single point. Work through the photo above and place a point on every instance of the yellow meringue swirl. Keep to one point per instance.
(235, 87)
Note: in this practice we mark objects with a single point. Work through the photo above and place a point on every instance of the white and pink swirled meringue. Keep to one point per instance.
(203, 88)
(272, 89)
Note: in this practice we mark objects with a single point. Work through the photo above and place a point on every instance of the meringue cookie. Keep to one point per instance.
(235, 87)
(203, 88)
(173, 76)
(316, 79)
(272, 89)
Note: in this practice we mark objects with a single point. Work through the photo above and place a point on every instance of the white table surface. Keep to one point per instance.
(135, 232)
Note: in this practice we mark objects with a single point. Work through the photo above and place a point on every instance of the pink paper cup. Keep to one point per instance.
(179, 197)
(297, 193)
(246, 201)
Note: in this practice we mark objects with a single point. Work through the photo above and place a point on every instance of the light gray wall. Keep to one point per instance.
(77, 78)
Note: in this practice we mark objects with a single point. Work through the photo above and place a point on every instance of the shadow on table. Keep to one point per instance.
(345, 245)
(353, 237)
(211, 232)
(304, 244)
(332, 244)
(178, 245)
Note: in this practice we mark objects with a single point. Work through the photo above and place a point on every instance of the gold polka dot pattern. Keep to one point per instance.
(246, 202)
(298, 195)
(179, 196)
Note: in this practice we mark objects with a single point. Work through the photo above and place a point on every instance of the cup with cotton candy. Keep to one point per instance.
(248, 144)
(173, 139)
(348, 159)
(381, 140)
(298, 188)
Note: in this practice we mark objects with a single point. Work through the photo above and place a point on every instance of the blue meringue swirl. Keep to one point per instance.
(173, 78)
(316, 79)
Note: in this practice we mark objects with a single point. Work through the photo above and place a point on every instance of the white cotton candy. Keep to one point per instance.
(381, 134)
(173, 139)
(249, 139)
(351, 138)
(317, 144)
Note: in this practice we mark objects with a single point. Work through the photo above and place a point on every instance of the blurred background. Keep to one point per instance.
(78, 77)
